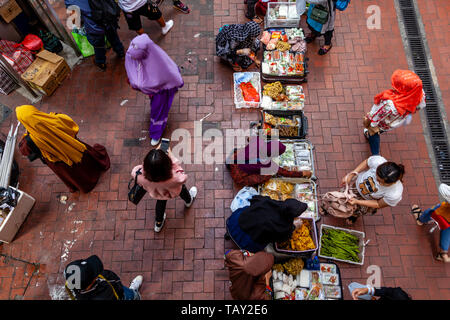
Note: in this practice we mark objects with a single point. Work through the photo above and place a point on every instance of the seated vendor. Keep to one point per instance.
(238, 44)
(253, 165)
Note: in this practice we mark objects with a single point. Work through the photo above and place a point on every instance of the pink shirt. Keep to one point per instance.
(163, 190)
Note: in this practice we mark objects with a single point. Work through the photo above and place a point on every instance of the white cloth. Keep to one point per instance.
(370, 189)
(131, 5)
(242, 198)
(444, 190)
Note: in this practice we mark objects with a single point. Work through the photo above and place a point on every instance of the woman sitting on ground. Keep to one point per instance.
(378, 185)
(238, 44)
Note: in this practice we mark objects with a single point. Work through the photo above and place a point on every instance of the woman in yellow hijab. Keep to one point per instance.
(52, 137)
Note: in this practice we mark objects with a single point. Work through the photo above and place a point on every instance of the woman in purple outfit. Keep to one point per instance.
(151, 71)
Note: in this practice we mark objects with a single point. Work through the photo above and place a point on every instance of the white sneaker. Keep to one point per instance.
(158, 228)
(136, 283)
(169, 25)
(193, 192)
(155, 142)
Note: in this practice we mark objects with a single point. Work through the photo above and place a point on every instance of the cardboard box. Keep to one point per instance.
(16, 217)
(47, 72)
(10, 10)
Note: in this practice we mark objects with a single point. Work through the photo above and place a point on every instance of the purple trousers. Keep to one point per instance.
(160, 106)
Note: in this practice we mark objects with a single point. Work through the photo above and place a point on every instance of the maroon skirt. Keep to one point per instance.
(82, 176)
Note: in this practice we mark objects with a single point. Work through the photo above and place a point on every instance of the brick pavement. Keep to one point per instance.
(185, 261)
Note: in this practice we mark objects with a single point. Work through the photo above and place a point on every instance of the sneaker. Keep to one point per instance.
(193, 192)
(168, 26)
(136, 283)
(159, 226)
(180, 6)
(155, 142)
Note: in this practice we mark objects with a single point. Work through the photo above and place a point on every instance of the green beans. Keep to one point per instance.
(340, 245)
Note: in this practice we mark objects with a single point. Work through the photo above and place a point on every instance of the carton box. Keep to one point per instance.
(16, 217)
(47, 72)
(9, 10)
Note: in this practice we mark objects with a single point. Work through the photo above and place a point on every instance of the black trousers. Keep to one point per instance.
(161, 204)
(327, 35)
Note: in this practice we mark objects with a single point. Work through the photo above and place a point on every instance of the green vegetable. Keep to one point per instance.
(339, 244)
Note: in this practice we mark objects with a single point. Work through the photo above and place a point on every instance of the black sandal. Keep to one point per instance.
(416, 211)
(323, 51)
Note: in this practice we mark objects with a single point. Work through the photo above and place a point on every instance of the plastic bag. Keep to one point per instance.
(79, 35)
(249, 92)
(242, 198)
(32, 42)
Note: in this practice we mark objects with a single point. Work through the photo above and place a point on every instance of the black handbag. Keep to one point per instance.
(136, 192)
(319, 14)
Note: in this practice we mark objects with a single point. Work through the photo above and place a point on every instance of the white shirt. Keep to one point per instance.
(370, 189)
(131, 5)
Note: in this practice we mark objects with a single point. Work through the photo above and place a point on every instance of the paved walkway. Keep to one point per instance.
(185, 261)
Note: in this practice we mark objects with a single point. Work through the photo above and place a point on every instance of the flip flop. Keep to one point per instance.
(323, 51)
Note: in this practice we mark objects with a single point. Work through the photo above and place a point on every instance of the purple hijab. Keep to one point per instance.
(258, 153)
(149, 68)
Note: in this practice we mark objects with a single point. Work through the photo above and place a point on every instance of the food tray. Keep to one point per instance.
(362, 244)
(303, 127)
(310, 147)
(308, 213)
(289, 19)
(310, 251)
(288, 78)
(256, 82)
(291, 91)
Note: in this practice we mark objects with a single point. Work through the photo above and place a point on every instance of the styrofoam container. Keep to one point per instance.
(238, 93)
(362, 245)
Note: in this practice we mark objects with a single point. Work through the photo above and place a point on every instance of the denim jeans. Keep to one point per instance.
(374, 143)
(130, 294)
(99, 44)
(444, 242)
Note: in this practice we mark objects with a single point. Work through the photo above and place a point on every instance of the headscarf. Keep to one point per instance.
(406, 93)
(256, 158)
(54, 134)
(444, 190)
(149, 68)
(267, 220)
(242, 35)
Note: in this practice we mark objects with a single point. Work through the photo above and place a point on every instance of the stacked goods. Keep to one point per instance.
(277, 97)
(301, 239)
(284, 55)
(296, 157)
(288, 126)
(340, 244)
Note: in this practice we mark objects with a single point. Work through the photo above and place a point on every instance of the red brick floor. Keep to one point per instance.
(185, 260)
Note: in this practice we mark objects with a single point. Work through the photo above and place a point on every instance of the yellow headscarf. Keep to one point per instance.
(54, 134)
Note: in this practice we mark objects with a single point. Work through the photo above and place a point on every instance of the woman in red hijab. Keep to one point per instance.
(394, 107)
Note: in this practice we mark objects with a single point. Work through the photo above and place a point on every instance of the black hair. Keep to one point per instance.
(391, 172)
(157, 166)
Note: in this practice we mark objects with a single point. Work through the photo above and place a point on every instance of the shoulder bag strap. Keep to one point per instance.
(115, 293)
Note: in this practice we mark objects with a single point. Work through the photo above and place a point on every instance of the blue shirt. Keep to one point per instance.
(89, 25)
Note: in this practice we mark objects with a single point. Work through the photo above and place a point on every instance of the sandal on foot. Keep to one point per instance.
(323, 51)
(443, 256)
(416, 211)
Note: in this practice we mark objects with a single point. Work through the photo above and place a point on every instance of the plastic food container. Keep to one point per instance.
(302, 150)
(255, 79)
(282, 14)
(362, 244)
(313, 232)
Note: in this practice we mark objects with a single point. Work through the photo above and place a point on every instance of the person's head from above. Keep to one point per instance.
(389, 173)
(138, 49)
(157, 166)
(25, 114)
(80, 274)
(252, 29)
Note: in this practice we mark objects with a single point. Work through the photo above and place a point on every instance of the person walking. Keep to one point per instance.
(52, 137)
(151, 71)
(321, 28)
(98, 26)
(162, 176)
(441, 214)
(134, 9)
(394, 108)
(378, 185)
(238, 44)
(86, 279)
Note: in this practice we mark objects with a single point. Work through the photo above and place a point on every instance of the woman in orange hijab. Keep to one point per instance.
(393, 108)
(52, 137)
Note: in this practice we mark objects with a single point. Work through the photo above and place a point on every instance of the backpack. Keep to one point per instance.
(335, 203)
(105, 12)
(341, 5)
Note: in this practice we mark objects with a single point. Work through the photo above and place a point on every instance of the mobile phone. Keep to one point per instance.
(165, 144)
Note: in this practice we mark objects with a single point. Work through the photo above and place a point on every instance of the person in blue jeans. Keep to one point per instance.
(86, 279)
(97, 32)
(441, 214)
